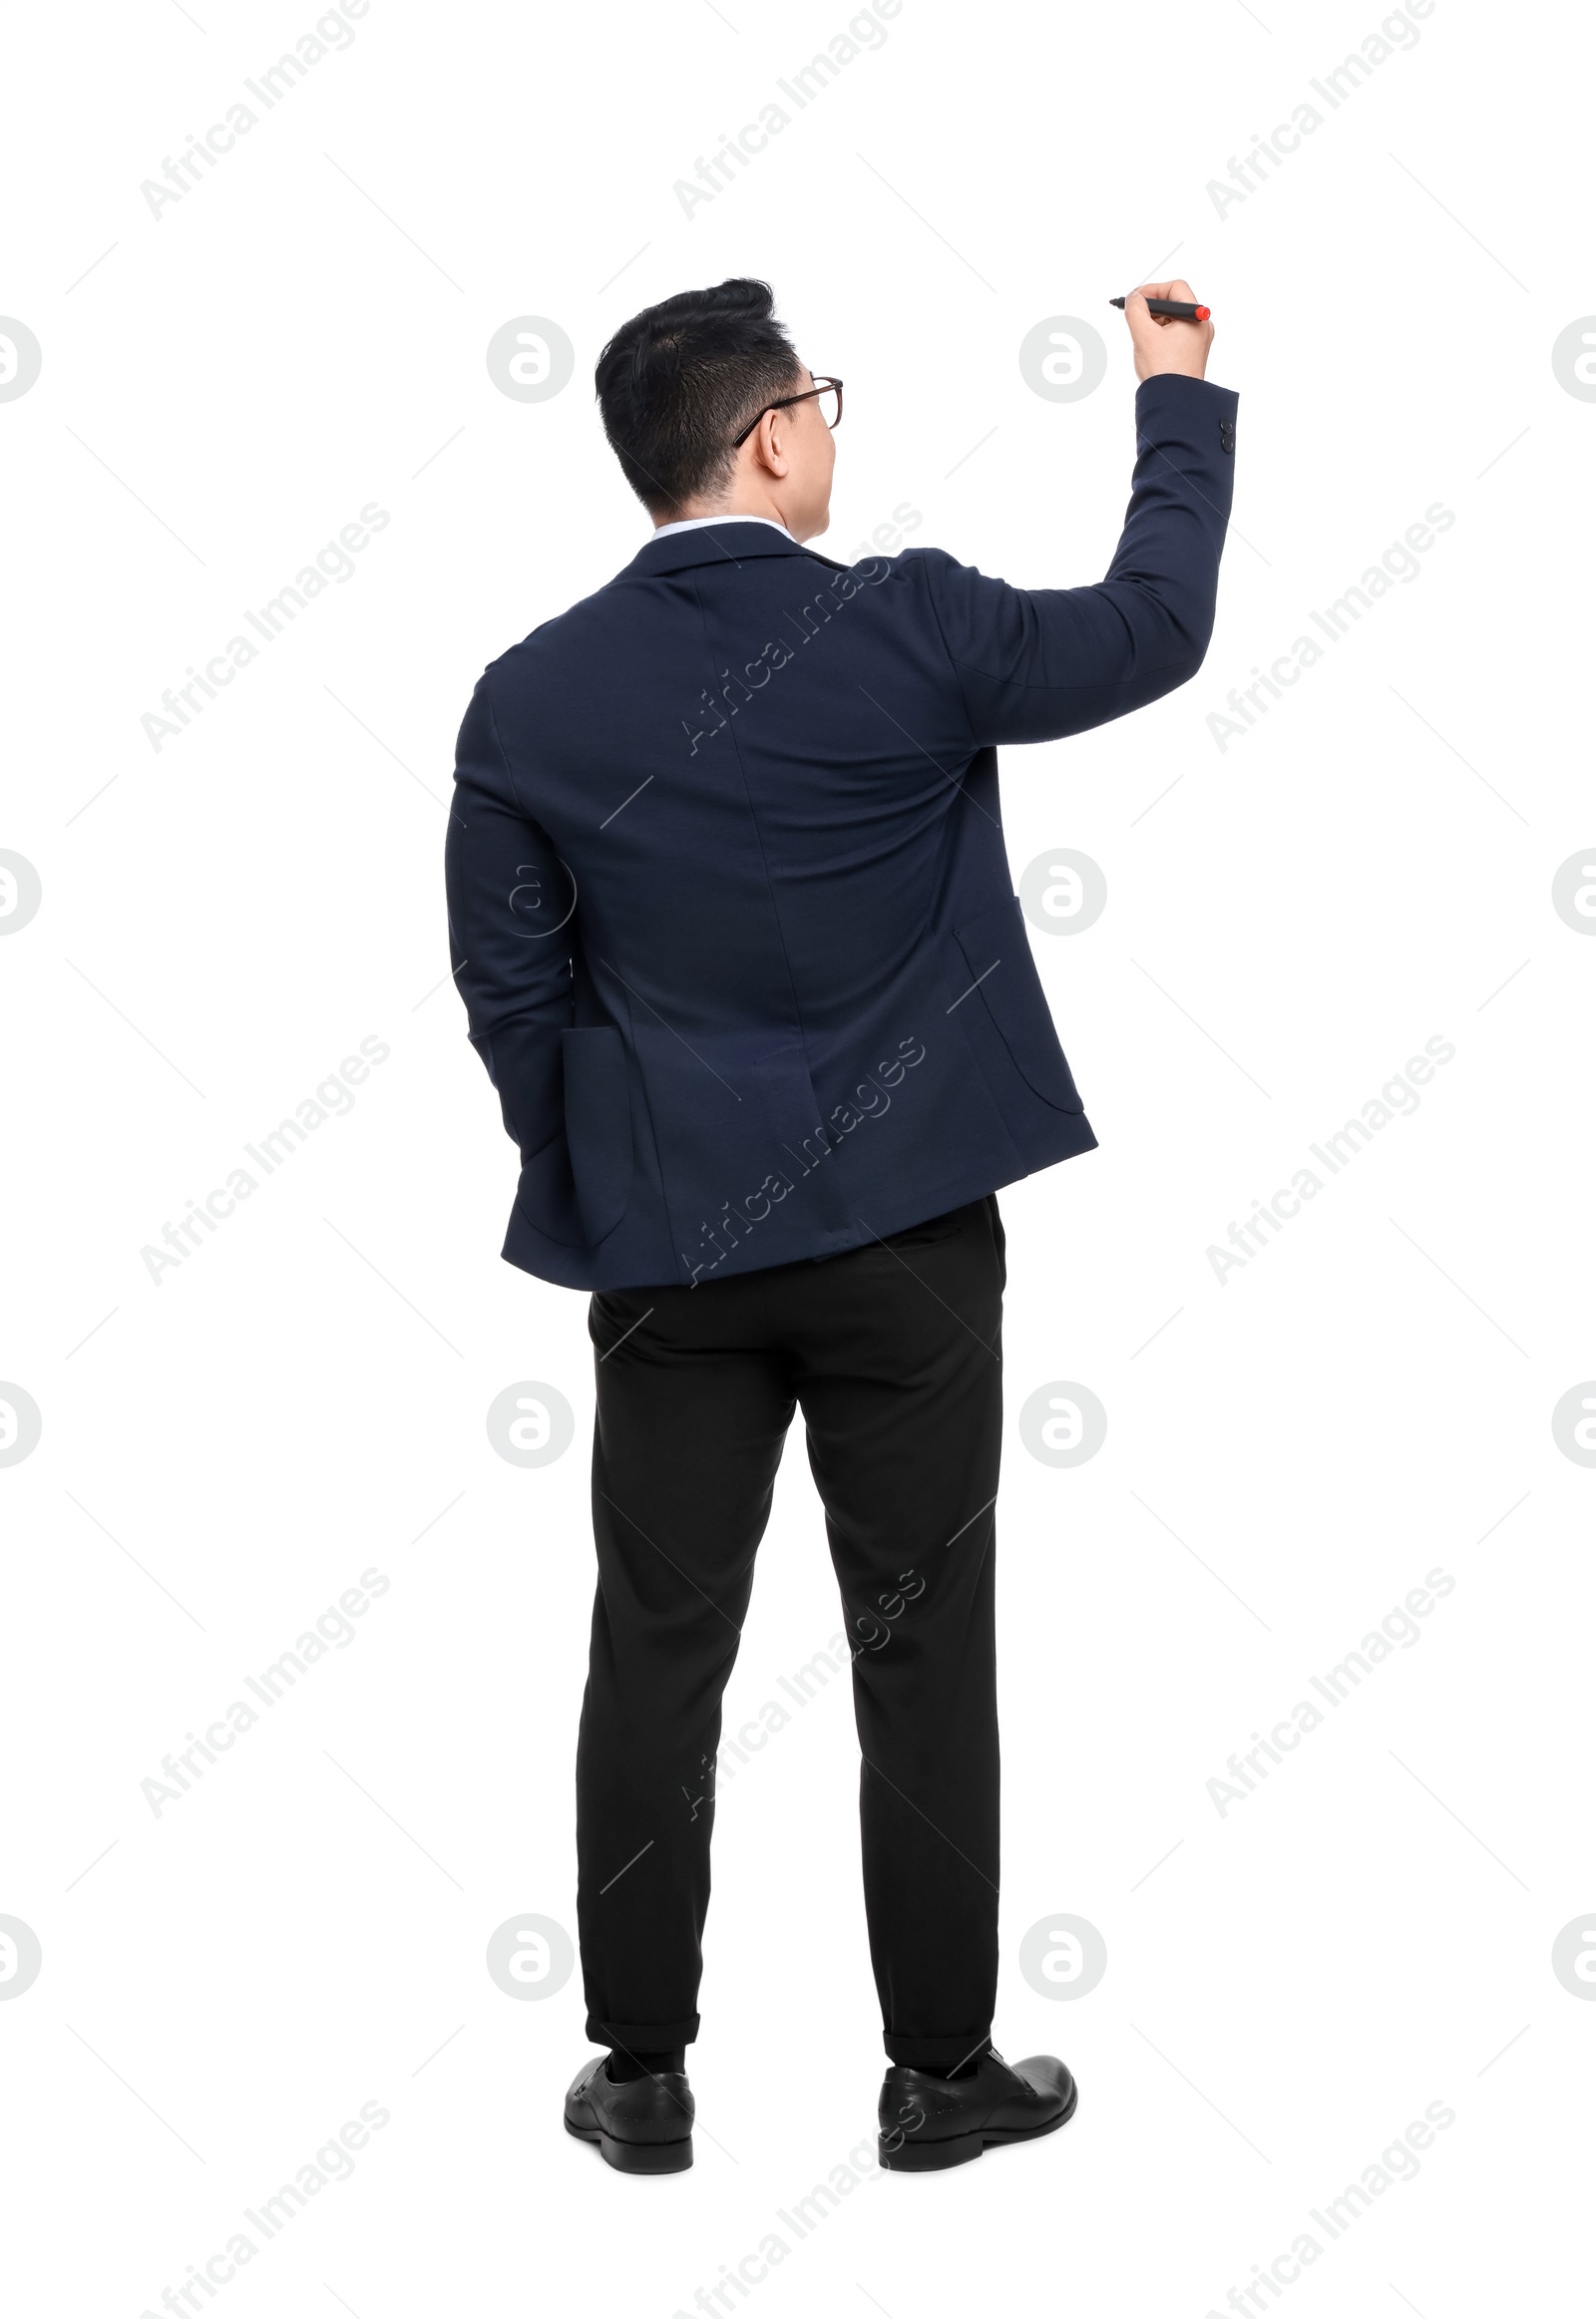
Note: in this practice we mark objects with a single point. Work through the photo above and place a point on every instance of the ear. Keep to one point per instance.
(769, 444)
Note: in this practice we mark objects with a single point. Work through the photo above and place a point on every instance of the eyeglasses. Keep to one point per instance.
(827, 390)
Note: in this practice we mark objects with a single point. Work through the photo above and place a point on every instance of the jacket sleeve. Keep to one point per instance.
(511, 908)
(1036, 663)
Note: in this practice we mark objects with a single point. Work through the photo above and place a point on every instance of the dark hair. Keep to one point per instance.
(680, 380)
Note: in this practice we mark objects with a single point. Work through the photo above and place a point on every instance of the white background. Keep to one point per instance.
(223, 1454)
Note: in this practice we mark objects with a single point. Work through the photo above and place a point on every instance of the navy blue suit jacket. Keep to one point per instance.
(728, 898)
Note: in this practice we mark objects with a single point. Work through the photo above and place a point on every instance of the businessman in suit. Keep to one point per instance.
(738, 945)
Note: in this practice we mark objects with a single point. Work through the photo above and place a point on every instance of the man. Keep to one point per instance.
(738, 946)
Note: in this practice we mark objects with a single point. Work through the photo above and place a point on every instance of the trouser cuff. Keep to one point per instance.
(935, 2053)
(651, 2037)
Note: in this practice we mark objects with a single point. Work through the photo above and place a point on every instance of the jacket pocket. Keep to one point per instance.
(597, 1126)
(1002, 978)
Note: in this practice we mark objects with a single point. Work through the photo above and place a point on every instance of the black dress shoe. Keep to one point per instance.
(642, 2127)
(928, 2121)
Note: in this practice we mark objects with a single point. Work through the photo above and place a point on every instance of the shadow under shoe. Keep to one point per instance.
(928, 2122)
(641, 2128)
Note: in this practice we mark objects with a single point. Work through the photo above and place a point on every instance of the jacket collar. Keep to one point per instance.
(735, 542)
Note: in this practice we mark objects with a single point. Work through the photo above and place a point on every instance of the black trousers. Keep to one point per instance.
(893, 1351)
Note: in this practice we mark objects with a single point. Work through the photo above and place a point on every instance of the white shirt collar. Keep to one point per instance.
(697, 523)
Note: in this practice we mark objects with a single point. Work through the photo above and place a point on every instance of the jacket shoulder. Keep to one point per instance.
(558, 633)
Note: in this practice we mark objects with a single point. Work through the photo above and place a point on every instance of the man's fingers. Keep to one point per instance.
(1136, 311)
(1159, 342)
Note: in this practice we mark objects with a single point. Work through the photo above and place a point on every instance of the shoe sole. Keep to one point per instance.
(958, 2149)
(637, 2157)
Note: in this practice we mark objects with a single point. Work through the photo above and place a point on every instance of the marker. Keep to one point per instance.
(1177, 309)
